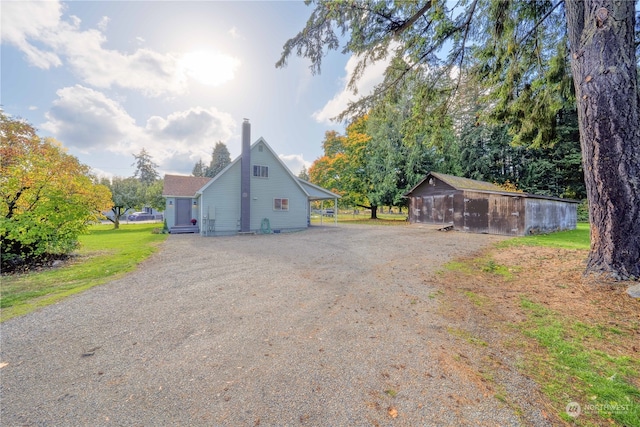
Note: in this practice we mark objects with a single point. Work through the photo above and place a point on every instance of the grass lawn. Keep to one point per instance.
(571, 239)
(104, 254)
(362, 218)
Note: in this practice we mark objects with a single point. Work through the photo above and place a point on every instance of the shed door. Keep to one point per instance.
(183, 211)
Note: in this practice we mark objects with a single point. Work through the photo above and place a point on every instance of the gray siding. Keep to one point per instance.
(543, 216)
(170, 211)
(280, 184)
(221, 201)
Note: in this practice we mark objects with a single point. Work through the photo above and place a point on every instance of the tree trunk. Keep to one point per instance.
(603, 63)
(374, 212)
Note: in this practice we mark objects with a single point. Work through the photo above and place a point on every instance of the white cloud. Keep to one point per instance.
(38, 30)
(234, 33)
(90, 122)
(294, 162)
(104, 23)
(373, 75)
(21, 21)
(86, 119)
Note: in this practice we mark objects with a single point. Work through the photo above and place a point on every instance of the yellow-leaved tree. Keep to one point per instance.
(47, 197)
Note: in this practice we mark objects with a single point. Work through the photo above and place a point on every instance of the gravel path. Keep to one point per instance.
(333, 326)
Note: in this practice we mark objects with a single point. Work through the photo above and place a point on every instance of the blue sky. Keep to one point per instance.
(107, 79)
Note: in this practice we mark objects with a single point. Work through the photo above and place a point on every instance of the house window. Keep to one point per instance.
(280, 204)
(261, 171)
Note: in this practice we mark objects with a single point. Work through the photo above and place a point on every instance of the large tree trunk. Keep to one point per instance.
(603, 63)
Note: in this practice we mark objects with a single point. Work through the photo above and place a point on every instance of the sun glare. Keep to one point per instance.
(209, 68)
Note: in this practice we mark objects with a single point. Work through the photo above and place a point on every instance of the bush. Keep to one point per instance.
(47, 197)
(583, 211)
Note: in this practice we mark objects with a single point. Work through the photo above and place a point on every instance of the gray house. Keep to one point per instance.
(254, 193)
(481, 207)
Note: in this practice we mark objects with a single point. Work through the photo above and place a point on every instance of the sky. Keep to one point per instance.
(109, 78)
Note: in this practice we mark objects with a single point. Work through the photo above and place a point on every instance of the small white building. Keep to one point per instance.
(254, 193)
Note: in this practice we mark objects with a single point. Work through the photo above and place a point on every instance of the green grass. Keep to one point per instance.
(571, 371)
(571, 239)
(363, 218)
(104, 254)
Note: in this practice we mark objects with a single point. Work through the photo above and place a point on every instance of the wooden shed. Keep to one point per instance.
(481, 207)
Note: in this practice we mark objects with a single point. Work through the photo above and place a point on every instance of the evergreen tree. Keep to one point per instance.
(199, 169)
(146, 171)
(220, 158)
(304, 173)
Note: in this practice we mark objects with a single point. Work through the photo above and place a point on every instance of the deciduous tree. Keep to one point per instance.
(47, 197)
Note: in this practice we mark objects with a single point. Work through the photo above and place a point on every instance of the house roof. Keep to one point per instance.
(312, 191)
(460, 183)
(317, 193)
(183, 186)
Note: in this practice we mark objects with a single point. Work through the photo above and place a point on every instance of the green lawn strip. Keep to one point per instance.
(572, 372)
(105, 254)
(570, 239)
(363, 218)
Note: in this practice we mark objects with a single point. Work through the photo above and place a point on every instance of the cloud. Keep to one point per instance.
(21, 21)
(373, 75)
(104, 23)
(234, 32)
(38, 30)
(86, 119)
(90, 122)
(294, 162)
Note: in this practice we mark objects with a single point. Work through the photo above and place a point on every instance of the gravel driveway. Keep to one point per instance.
(333, 326)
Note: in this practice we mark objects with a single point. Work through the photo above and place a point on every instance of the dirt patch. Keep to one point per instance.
(488, 290)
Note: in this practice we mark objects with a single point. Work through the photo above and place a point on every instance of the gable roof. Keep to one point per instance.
(183, 186)
(460, 183)
(305, 188)
(192, 186)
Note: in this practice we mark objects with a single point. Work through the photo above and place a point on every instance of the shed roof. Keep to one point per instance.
(460, 183)
(183, 186)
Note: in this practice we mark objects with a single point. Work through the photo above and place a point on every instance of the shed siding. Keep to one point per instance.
(506, 215)
(279, 184)
(477, 211)
(543, 216)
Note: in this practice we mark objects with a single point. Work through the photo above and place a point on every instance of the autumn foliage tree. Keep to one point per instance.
(47, 197)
